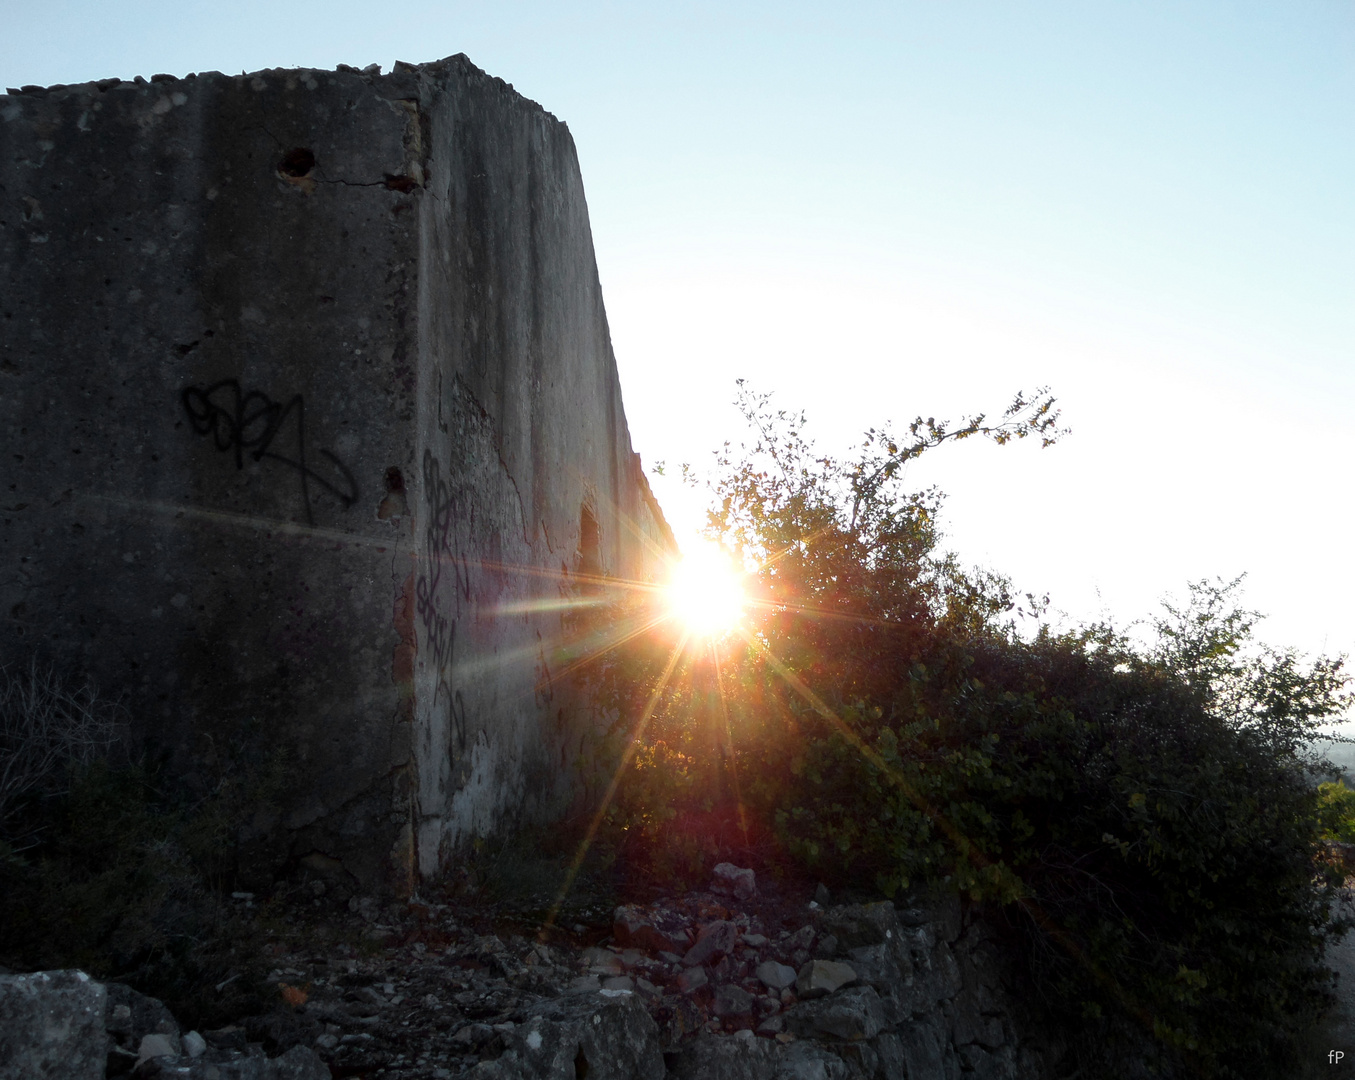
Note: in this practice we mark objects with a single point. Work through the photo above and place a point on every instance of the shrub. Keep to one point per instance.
(1336, 811)
(1139, 817)
(47, 726)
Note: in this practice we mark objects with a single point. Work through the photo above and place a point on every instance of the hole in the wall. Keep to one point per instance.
(298, 162)
(580, 1065)
(394, 504)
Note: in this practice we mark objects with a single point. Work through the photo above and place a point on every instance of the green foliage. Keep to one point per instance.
(1336, 811)
(1141, 817)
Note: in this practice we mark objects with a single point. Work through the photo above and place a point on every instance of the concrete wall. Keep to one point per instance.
(309, 415)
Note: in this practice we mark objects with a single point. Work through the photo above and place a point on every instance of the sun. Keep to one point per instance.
(705, 591)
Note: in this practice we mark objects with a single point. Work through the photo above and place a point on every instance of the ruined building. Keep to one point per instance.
(311, 430)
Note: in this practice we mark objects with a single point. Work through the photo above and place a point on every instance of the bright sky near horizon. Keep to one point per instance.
(877, 210)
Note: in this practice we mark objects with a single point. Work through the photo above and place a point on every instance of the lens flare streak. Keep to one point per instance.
(631, 747)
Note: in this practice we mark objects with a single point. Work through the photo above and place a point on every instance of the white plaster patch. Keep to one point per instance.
(534, 1040)
(475, 807)
(430, 835)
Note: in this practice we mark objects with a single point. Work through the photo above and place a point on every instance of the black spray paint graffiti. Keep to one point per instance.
(240, 422)
(442, 584)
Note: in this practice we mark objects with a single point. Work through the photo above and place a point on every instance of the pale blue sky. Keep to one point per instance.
(877, 210)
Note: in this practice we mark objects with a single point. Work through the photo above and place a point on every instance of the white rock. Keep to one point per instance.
(154, 1046)
(735, 881)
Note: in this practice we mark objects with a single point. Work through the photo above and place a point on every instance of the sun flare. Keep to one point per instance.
(705, 592)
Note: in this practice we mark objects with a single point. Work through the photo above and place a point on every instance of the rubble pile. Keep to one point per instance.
(721, 984)
(63, 1025)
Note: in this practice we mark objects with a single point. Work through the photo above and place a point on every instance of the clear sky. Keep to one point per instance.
(880, 210)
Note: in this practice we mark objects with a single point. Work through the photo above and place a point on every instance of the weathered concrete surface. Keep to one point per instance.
(311, 425)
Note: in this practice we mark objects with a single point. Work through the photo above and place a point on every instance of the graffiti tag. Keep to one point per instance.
(251, 422)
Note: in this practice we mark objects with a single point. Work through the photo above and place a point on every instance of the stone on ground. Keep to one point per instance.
(605, 1036)
(645, 928)
(52, 1025)
(819, 977)
(777, 976)
(734, 881)
(852, 1015)
(732, 1001)
(716, 939)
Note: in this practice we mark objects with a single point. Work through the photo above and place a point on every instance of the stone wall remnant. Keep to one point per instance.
(313, 437)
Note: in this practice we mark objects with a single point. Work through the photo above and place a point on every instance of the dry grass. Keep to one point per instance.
(47, 726)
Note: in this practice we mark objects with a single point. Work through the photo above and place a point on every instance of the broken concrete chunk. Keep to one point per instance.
(803, 938)
(855, 925)
(777, 976)
(646, 928)
(921, 1050)
(693, 979)
(156, 1046)
(889, 1055)
(819, 977)
(732, 1001)
(632, 958)
(52, 1025)
(715, 939)
(603, 1037)
(885, 966)
(194, 1044)
(734, 881)
(851, 1015)
(603, 962)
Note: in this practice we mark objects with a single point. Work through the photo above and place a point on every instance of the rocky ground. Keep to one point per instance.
(730, 981)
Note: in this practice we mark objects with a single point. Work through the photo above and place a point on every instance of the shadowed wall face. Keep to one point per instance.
(310, 419)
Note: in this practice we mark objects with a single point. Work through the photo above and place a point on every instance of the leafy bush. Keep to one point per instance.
(1139, 817)
(1336, 811)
